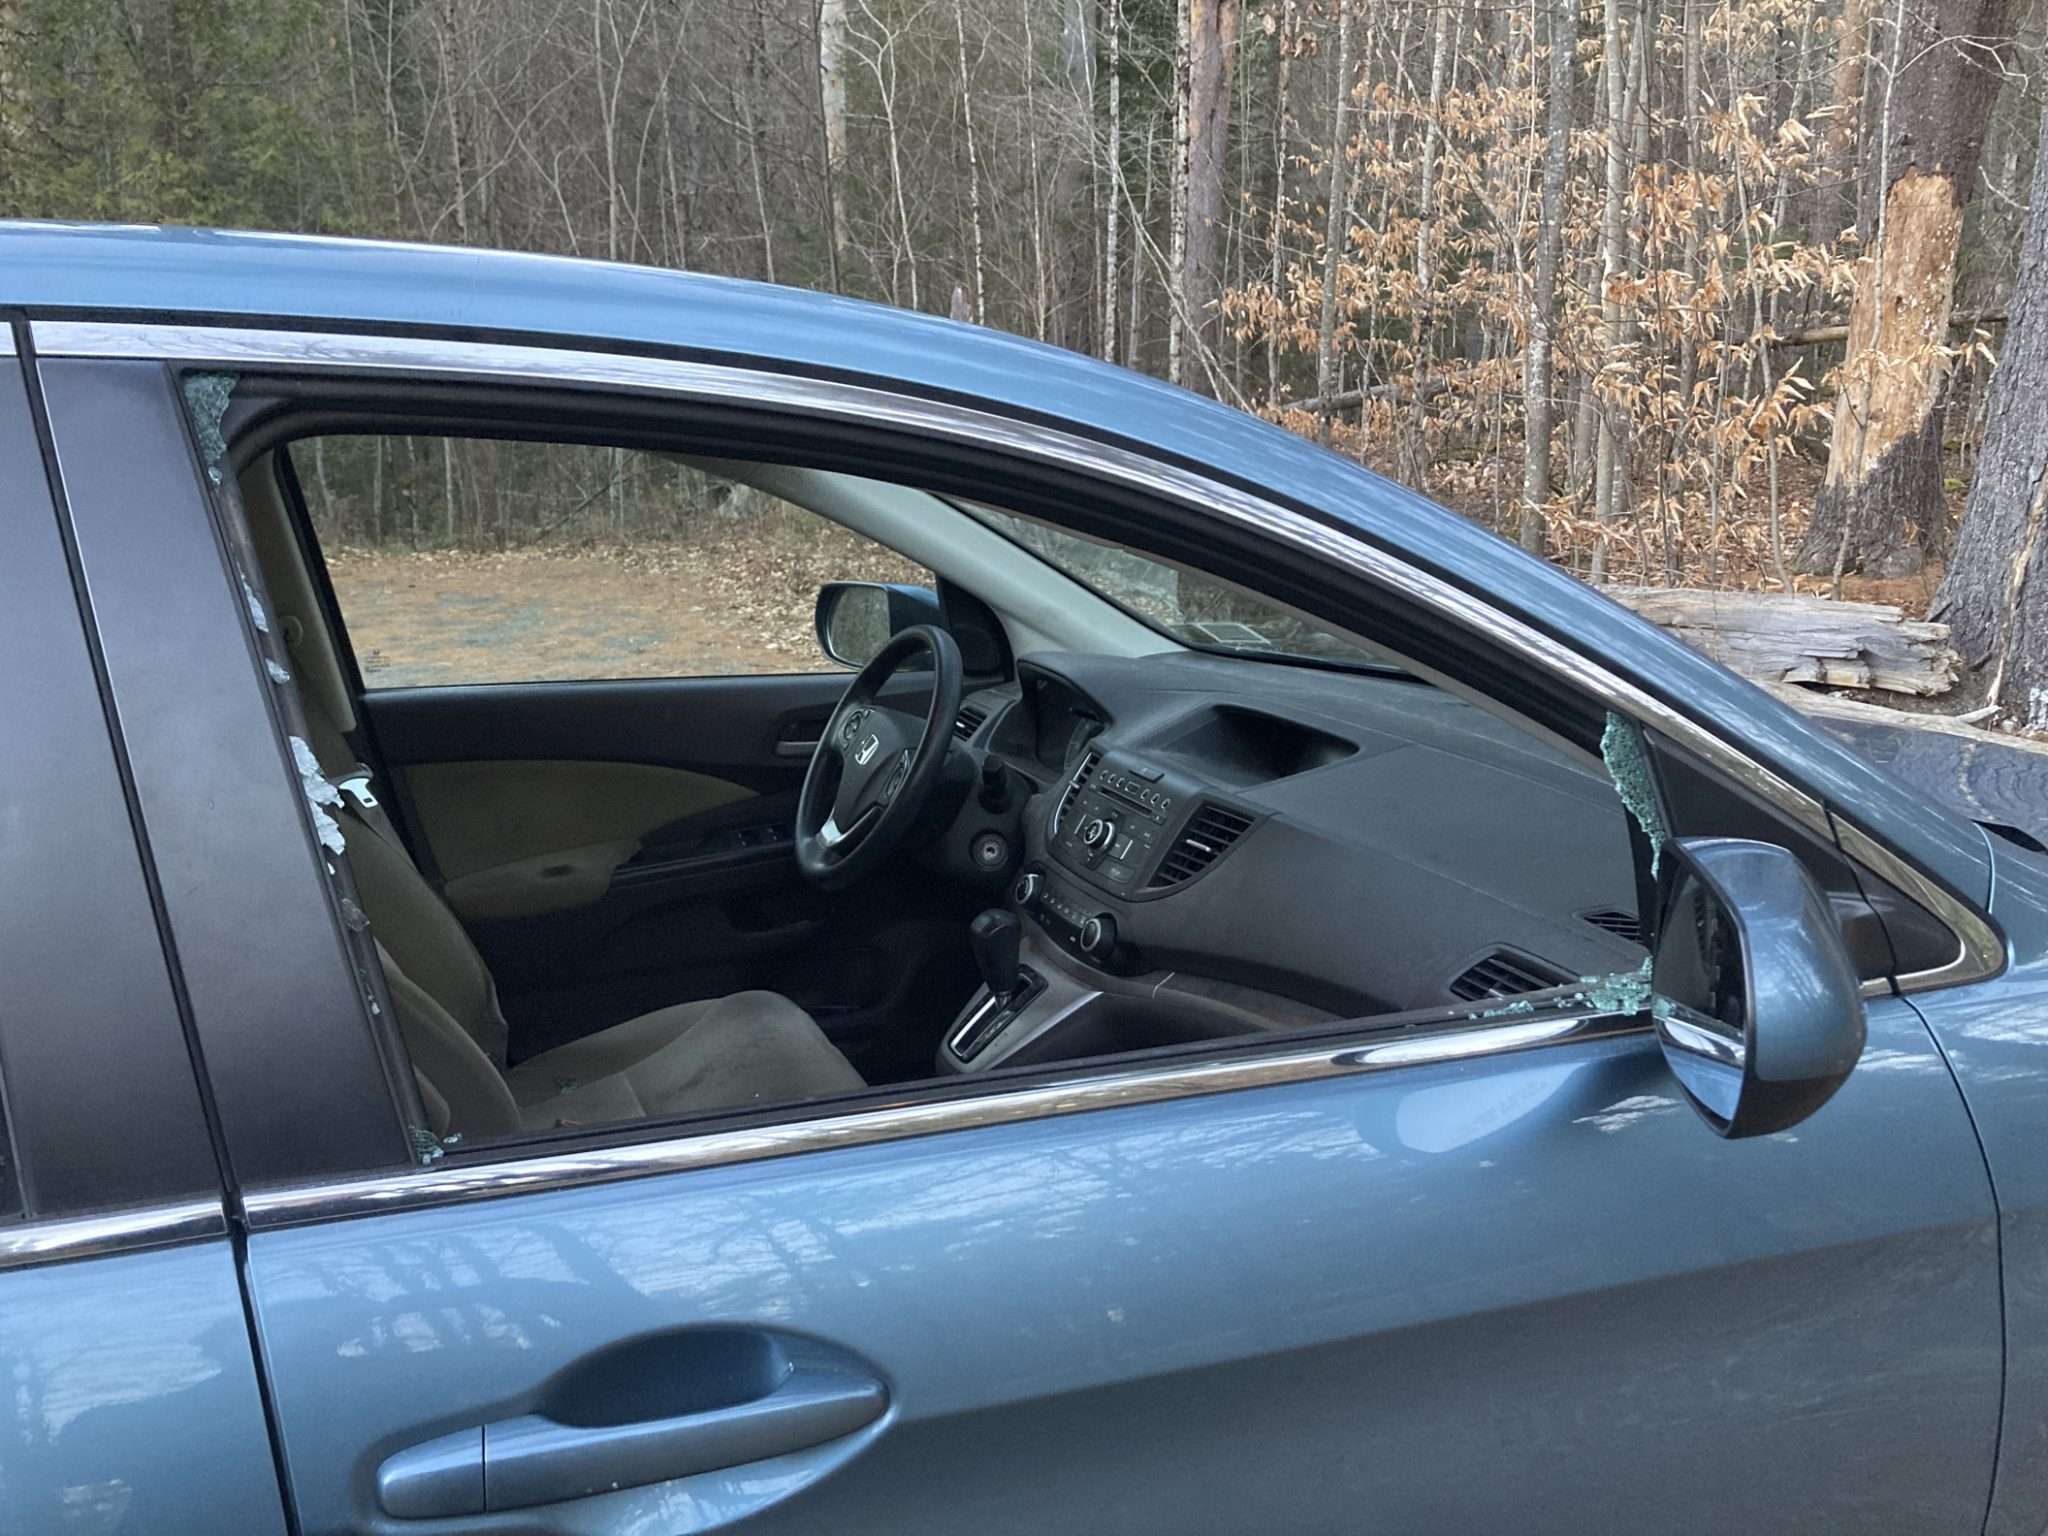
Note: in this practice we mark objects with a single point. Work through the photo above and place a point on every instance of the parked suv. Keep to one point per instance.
(642, 904)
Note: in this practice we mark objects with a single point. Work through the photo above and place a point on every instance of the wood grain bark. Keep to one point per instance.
(1884, 480)
(1991, 596)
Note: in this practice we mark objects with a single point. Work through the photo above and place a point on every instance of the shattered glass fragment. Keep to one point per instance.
(206, 398)
(256, 614)
(426, 1146)
(1623, 992)
(277, 673)
(1628, 764)
(353, 917)
(319, 795)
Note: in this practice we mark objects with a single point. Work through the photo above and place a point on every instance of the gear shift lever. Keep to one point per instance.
(996, 936)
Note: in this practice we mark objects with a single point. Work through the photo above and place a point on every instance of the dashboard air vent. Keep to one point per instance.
(968, 721)
(1502, 974)
(1206, 838)
(1622, 925)
(1083, 772)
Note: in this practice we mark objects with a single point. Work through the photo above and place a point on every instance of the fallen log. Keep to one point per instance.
(1778, 638)
(1401, 391)
(1821, 335)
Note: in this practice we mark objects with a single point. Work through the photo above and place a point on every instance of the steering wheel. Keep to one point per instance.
(875, 766)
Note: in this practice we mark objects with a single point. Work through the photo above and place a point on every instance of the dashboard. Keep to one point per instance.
(1350, 843)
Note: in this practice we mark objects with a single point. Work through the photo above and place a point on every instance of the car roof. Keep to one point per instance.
(196, 275)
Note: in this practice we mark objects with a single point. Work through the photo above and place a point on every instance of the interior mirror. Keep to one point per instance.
(856, 618)
(1756, 1002)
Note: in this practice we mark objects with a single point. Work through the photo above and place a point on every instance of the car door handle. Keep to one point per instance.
(533, 1459)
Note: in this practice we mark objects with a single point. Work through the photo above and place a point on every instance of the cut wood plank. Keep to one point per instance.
(1777, 638)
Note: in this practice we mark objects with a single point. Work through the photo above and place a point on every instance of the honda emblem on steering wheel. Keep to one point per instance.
(866, 754)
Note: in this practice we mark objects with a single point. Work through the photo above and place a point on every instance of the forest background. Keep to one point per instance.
(1726, 294)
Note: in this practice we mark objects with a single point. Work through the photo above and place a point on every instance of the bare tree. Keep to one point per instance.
(1621, 71)
(878, 46)
(1333, 226)
(973, 161)
(1845, 115)
(1177, 190)
(1283, 70)
(1992, 596)
(1884, 474)
(1112, 204)
(1211, 50)
(831, 29)
(1539, 373)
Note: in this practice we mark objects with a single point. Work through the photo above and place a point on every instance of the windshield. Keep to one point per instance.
(1195, 608)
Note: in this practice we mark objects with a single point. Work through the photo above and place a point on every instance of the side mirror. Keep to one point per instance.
(856, 618)
(1756, 1002)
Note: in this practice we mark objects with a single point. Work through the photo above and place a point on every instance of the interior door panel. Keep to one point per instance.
(728, 727)
(482, 814)
(524, 836)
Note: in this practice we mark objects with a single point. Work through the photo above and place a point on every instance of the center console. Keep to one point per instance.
(1066, 968)
(1113, 820)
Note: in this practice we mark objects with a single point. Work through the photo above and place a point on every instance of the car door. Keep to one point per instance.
(596, 750)
(1496, 1276)
(131, 1402)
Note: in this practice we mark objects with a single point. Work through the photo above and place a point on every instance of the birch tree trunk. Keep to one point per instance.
(1112, 205)
(1993, 598)
(973, 161)
(1333, 227)
(1040, 259)
(832, 112)
(1134, 333)
(1539, 373)
(1073, 255)
(1884, 479)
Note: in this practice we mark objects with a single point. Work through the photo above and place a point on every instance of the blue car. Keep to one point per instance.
(989, 947)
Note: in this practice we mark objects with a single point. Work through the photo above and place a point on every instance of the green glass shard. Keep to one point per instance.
(1627, 758)
(206, 398)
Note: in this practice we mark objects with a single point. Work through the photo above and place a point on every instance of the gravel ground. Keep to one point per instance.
(714, 606)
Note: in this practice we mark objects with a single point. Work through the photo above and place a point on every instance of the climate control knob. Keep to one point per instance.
(1098, 936)
(1025, 892)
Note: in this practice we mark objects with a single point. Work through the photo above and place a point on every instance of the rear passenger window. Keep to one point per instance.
(480, 561)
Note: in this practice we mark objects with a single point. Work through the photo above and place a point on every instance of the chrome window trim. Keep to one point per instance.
(112, 1232)
(1980, 948)
(444, 1183)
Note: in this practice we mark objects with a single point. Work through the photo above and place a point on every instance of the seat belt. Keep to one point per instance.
(354, 786)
